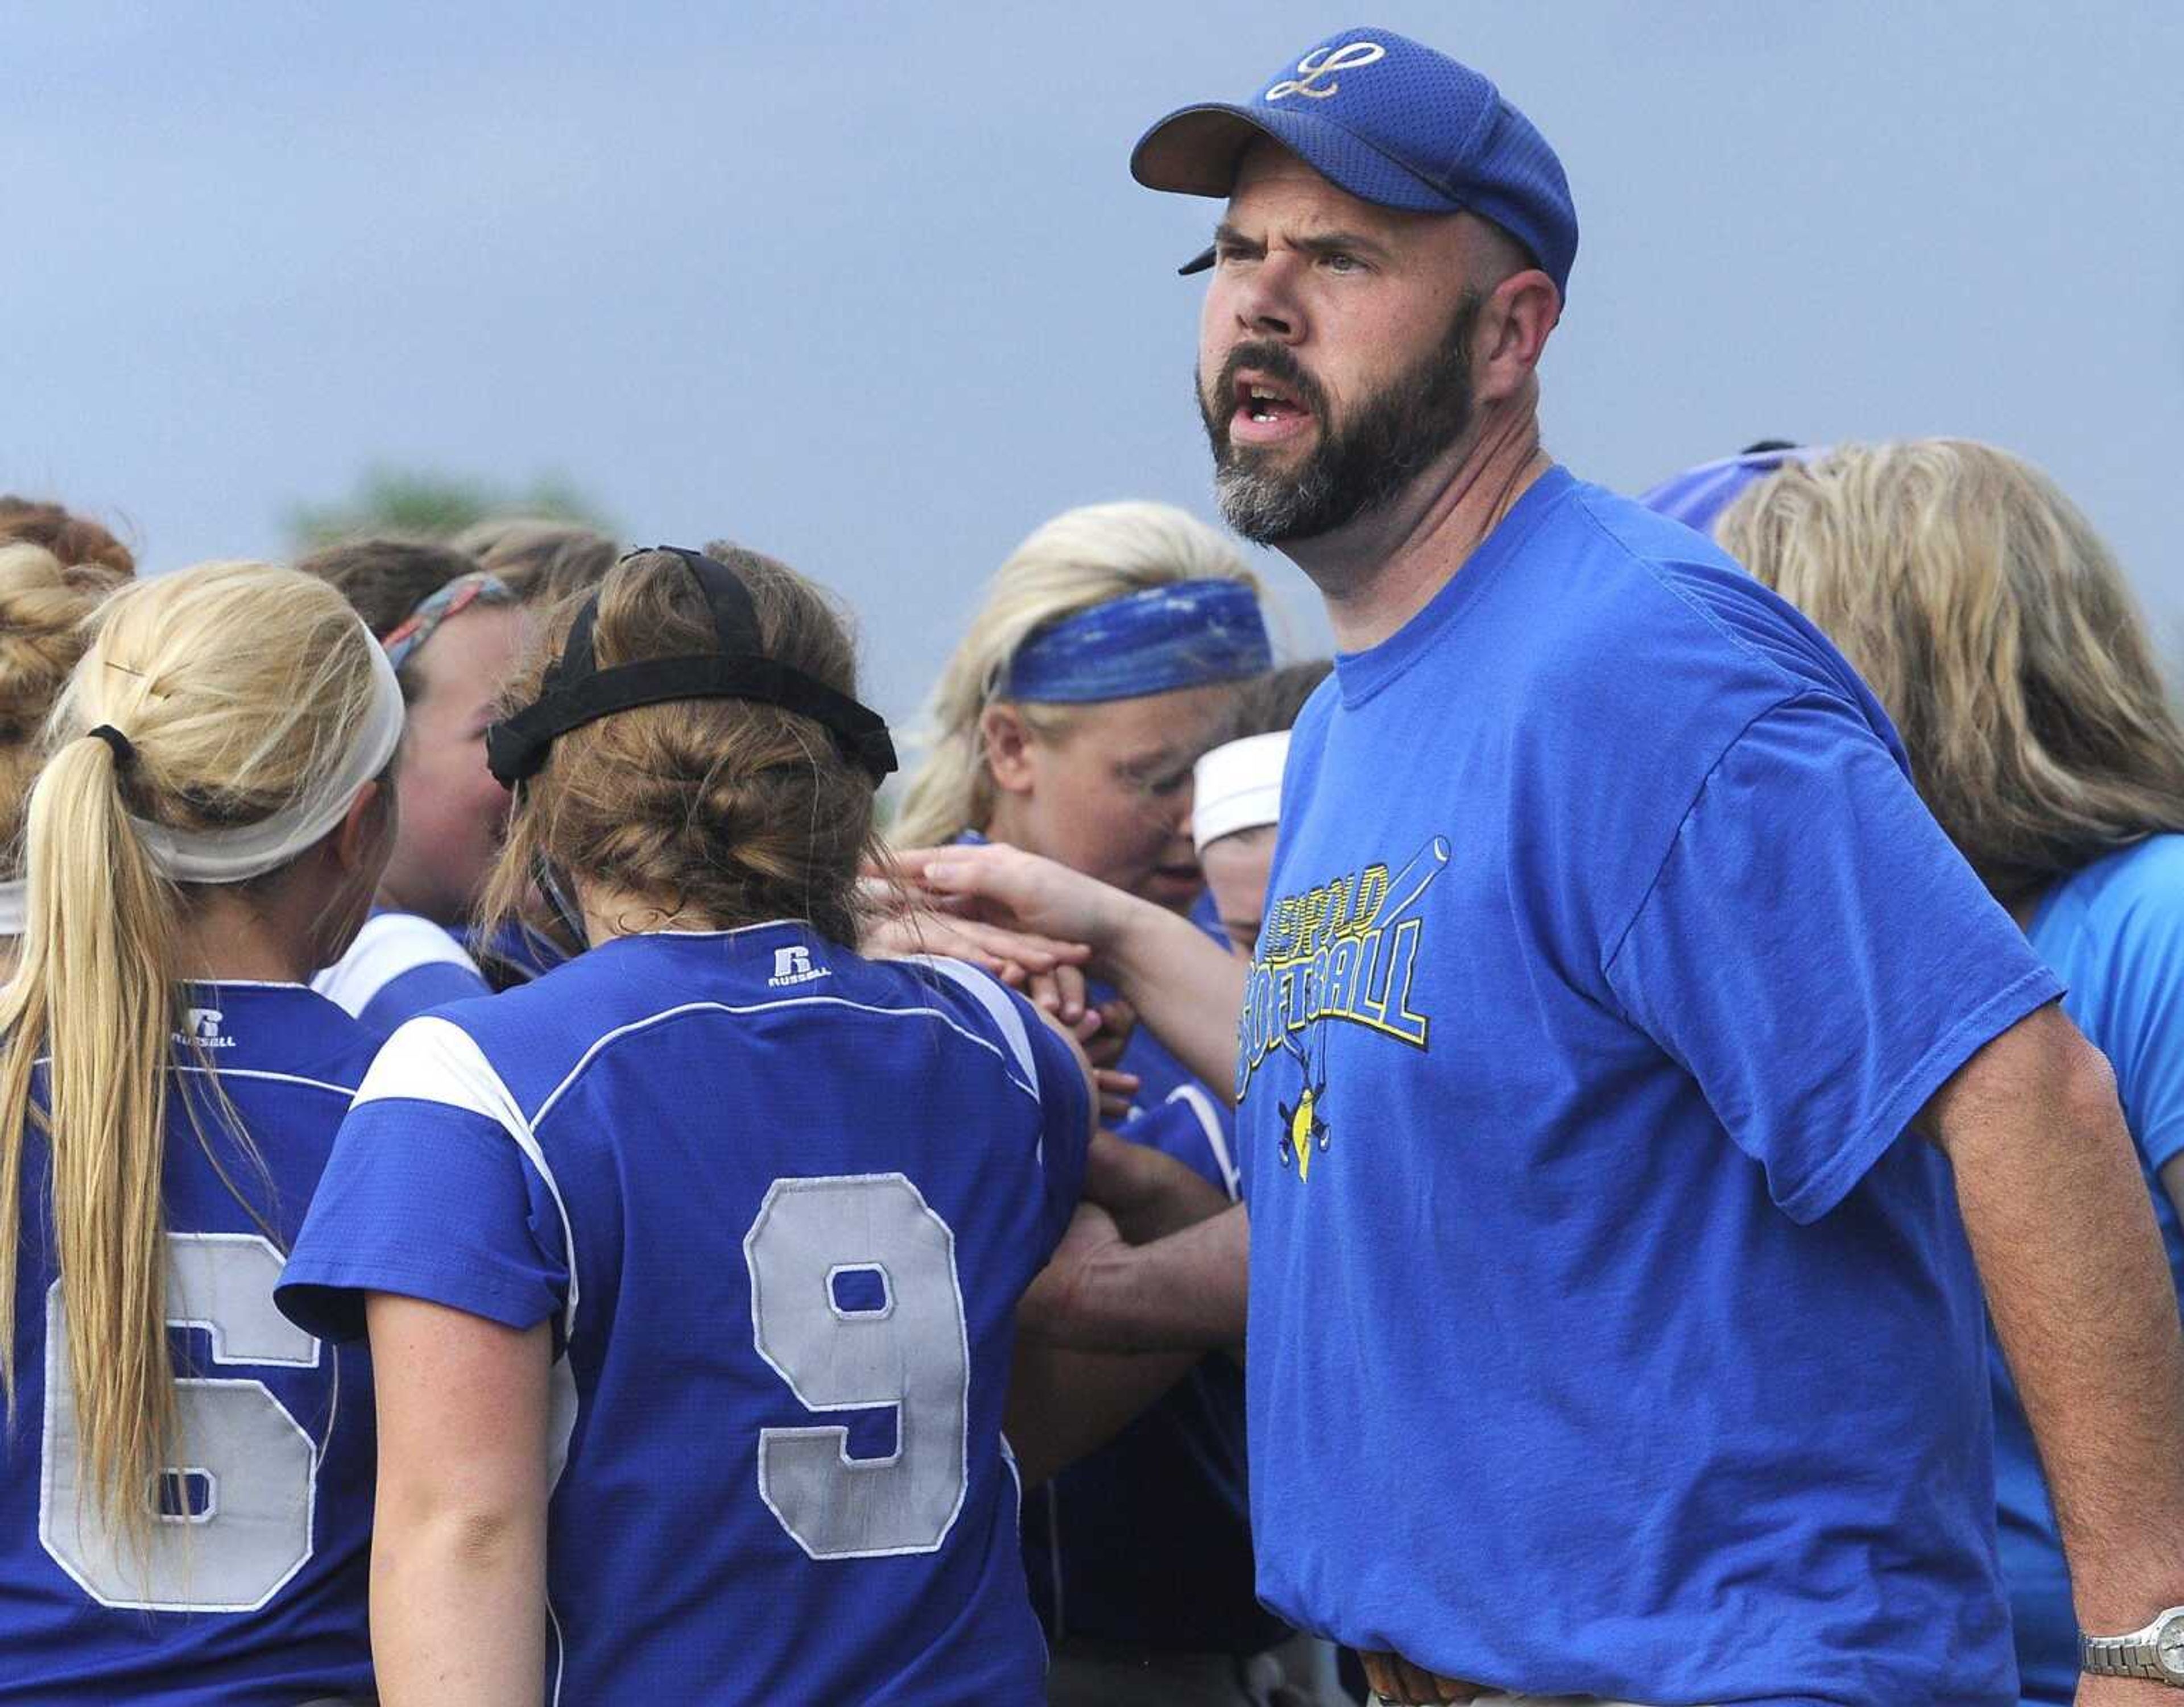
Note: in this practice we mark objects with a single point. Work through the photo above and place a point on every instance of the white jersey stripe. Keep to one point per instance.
(431, 1060)
(1030, 1089)
(995, 1001)
(389, 945)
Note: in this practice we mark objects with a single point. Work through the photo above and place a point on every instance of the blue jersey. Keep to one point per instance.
(259, 1602)
(779, 1203)
(2115, 933)
(1147, 1541)
(513, 954)
(1605, 1339)
(400, 965)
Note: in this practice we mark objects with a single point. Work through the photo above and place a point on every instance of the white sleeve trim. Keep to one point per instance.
(389, 945)
(1194, 1097)
(1007, 1017)
(434, 1060)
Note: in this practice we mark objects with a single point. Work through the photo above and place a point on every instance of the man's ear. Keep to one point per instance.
(369, 817)
(1519, 314)
(1007, 740)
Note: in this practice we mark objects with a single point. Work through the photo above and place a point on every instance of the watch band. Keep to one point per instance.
(2136, 1654)
(2120, 1656)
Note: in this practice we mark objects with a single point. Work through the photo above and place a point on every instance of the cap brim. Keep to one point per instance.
(1194, 152)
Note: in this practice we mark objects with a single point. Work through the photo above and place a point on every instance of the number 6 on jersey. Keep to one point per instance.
(907, 1348)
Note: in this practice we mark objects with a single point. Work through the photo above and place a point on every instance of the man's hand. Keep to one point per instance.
(1393, 1678)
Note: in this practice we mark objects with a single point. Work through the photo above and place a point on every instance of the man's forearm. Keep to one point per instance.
(2062, 1227)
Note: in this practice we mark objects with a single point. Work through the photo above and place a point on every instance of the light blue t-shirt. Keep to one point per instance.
(2114, 933)
(1605, 1339)
(779, 1203)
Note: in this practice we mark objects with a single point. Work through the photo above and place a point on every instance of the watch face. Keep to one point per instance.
(2168, 1644)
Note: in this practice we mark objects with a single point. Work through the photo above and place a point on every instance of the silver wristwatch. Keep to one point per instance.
(2155, 1653)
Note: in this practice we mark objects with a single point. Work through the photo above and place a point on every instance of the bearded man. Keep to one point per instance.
(1636, 1087)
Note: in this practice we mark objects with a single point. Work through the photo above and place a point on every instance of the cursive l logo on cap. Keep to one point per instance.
(1324, 63)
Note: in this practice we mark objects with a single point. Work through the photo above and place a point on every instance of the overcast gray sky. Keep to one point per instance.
(869, 286)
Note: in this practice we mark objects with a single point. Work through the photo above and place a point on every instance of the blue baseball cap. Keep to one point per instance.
(1392, 122)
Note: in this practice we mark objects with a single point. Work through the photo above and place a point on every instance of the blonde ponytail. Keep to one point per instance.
(230, 691)
(1082, 558)
(106, 969)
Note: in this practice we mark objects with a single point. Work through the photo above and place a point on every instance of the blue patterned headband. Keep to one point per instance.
(407, 637)
(1187, 634)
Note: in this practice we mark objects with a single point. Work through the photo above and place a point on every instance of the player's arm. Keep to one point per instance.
(1149, 1192)
(2063, 1230)
(1186, 989)
(1065, 1403)
(1062, 1402)
(1188, 1291)
(459, 1542)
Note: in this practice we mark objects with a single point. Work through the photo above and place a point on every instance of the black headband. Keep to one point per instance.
(576, 691)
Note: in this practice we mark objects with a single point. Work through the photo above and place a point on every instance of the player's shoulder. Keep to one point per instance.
(390, 945)
(982, 1011)
(761, 987)
(273, 1039)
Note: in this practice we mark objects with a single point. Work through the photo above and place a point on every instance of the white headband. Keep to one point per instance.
(250, 850)
(1238, 786)
(13, 906)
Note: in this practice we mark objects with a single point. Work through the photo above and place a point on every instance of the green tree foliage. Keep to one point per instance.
(429, 505)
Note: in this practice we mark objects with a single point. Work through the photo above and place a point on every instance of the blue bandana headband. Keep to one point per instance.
(1187, 634)
(408, 637)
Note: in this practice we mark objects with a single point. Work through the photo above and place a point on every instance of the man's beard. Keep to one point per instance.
(1355, 468)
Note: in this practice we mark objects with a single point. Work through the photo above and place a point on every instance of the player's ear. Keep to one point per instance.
(1006, 738)
(369, 822)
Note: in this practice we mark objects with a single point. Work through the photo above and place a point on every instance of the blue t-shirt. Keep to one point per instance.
(1147, 1541)
(779, 1203)
(261, 1603)
(1604, 1339)
(2114, 931)
(400, 965)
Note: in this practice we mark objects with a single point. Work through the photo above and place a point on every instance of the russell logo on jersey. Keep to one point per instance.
(793, 966)
(204, 1030)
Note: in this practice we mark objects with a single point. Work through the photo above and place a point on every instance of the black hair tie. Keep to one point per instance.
(125, 751)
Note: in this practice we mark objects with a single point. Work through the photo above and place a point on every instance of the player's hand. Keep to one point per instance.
(1117, 1020)
(1004, 885)
(1061, 991)
(1118, 1093)
(1053, 1305)
(1394, 1679)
